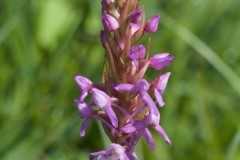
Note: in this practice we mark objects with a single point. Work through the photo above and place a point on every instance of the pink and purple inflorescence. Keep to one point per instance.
(125, 103)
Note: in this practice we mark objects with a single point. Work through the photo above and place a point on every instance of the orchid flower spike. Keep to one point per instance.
(125, 102)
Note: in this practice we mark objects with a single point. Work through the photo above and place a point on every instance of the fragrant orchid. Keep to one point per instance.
(125, 102)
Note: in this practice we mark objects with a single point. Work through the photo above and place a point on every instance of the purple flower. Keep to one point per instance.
(110, 22)
(159, 61)
(141, 87)
(114, 152)
(86, 112)
(153, 118)
(135, 16)
(146, 134)
(137, 52)
(102, 100)
(150, 119)
(160, 88)
(84, 84)
(134, 28)
(137, 67)
(123, 101)
(152, 24)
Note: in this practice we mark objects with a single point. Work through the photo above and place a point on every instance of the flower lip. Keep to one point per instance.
(137, 52)
(84, 110)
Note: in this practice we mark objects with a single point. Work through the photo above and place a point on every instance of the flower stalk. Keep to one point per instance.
(125, 102)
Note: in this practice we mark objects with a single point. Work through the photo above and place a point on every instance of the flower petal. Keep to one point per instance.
(152, 119)
(148, 100)
(84, 110)
(129, 128)
(84, 126)
(113, 152)
(100, 98)
(83, 95)
(140, 85)
(135, 16)
(162, 83)
(83, 83)
(118, 151)
(108, 125)
(137, 52)
(147, 135)
(152, 24)
(159, 98)
(134, 28)
(134, 156)
(111, 115)
(161, 131)
(124, 87)
(110, 22)
(97, 154)
(159, 61)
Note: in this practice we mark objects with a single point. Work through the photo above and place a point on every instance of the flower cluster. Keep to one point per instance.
(125, 103)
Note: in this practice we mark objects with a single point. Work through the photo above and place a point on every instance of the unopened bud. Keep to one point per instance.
(135, 15)
(152, 24)
(159, 61)
(110, 22)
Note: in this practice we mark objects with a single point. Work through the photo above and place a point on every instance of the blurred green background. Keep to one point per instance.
(44, 42)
